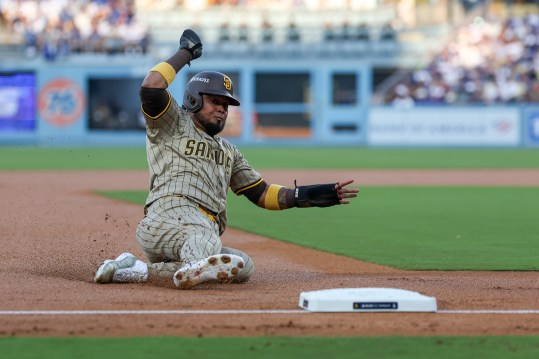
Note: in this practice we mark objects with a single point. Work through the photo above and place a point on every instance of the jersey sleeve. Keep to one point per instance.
(165, 123)
(243, 175)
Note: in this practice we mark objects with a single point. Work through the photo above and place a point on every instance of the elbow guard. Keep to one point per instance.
(319, 195)
(154, 100)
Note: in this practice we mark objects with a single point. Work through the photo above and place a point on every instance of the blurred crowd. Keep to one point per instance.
(56, 28)
(489, 61)
(343, 32)
(263, 4)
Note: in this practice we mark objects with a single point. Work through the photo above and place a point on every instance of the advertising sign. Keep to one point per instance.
(444, 126)
(532, 121)
(61, 102)
(17, 102)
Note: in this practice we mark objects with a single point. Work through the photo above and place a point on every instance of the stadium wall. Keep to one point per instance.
(94, 102)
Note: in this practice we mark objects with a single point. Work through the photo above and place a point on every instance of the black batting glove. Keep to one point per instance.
(191, 42)
(318, 195)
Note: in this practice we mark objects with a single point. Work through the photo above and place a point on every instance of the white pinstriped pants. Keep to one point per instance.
(175, 232)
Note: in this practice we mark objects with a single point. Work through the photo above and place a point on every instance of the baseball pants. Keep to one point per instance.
(175, 232)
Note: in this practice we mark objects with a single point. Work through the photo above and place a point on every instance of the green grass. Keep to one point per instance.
(340, 158)
(421, 228)
(29, 158)
(272, 347)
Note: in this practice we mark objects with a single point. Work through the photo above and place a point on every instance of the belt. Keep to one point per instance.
(201, 208)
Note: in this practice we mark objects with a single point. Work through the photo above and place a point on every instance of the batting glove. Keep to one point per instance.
(191, 42)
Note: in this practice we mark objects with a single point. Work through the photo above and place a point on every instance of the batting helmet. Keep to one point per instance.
(208, 82)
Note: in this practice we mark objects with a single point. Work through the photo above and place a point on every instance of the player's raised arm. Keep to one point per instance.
(162, 74)
(153, 94)
(275, 197)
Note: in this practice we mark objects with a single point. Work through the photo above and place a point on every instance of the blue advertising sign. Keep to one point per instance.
(533, 127)
(17, 101)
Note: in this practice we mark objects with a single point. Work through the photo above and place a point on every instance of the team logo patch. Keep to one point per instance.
(227, 83)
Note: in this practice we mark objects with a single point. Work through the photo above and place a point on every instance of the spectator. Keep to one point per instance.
(224, 33)
(363, 33)
(488, 62)
(402, 99)
(329, 32)
(292, 33)
(60, 27)
(388, 33)
(346, 33)
(267, 31)
(243, 33)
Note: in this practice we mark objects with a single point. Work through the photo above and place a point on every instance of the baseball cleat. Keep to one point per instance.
(221, 268)
(105, 272)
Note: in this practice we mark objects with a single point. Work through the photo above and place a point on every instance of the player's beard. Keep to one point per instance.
(214, 128)
(211, 128)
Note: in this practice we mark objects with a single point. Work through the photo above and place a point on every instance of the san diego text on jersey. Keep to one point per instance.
(202, 149)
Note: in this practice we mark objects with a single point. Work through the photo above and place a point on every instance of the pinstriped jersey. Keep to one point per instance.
(184, 160)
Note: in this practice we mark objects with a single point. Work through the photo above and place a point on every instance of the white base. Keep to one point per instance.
(366, 300)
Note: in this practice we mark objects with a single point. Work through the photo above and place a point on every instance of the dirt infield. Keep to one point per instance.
(55, 232)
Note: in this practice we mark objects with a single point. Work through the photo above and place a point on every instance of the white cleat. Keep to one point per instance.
(124, 269)
(221, 267)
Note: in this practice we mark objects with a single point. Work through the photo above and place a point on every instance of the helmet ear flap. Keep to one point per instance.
(192, 103)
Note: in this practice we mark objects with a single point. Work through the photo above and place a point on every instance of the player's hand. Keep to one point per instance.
(191, 42)
(344, 193)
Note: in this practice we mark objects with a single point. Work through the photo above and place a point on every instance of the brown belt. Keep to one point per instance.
(201, 208)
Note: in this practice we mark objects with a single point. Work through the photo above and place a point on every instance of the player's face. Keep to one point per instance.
(212, 116)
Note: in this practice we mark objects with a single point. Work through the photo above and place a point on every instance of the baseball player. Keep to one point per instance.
(191, 170)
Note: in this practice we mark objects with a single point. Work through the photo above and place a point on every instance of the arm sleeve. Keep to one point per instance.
(254, 192)
(155, 101)
(163, 125)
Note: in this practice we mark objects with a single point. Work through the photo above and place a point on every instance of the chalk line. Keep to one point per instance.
(210, 312)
